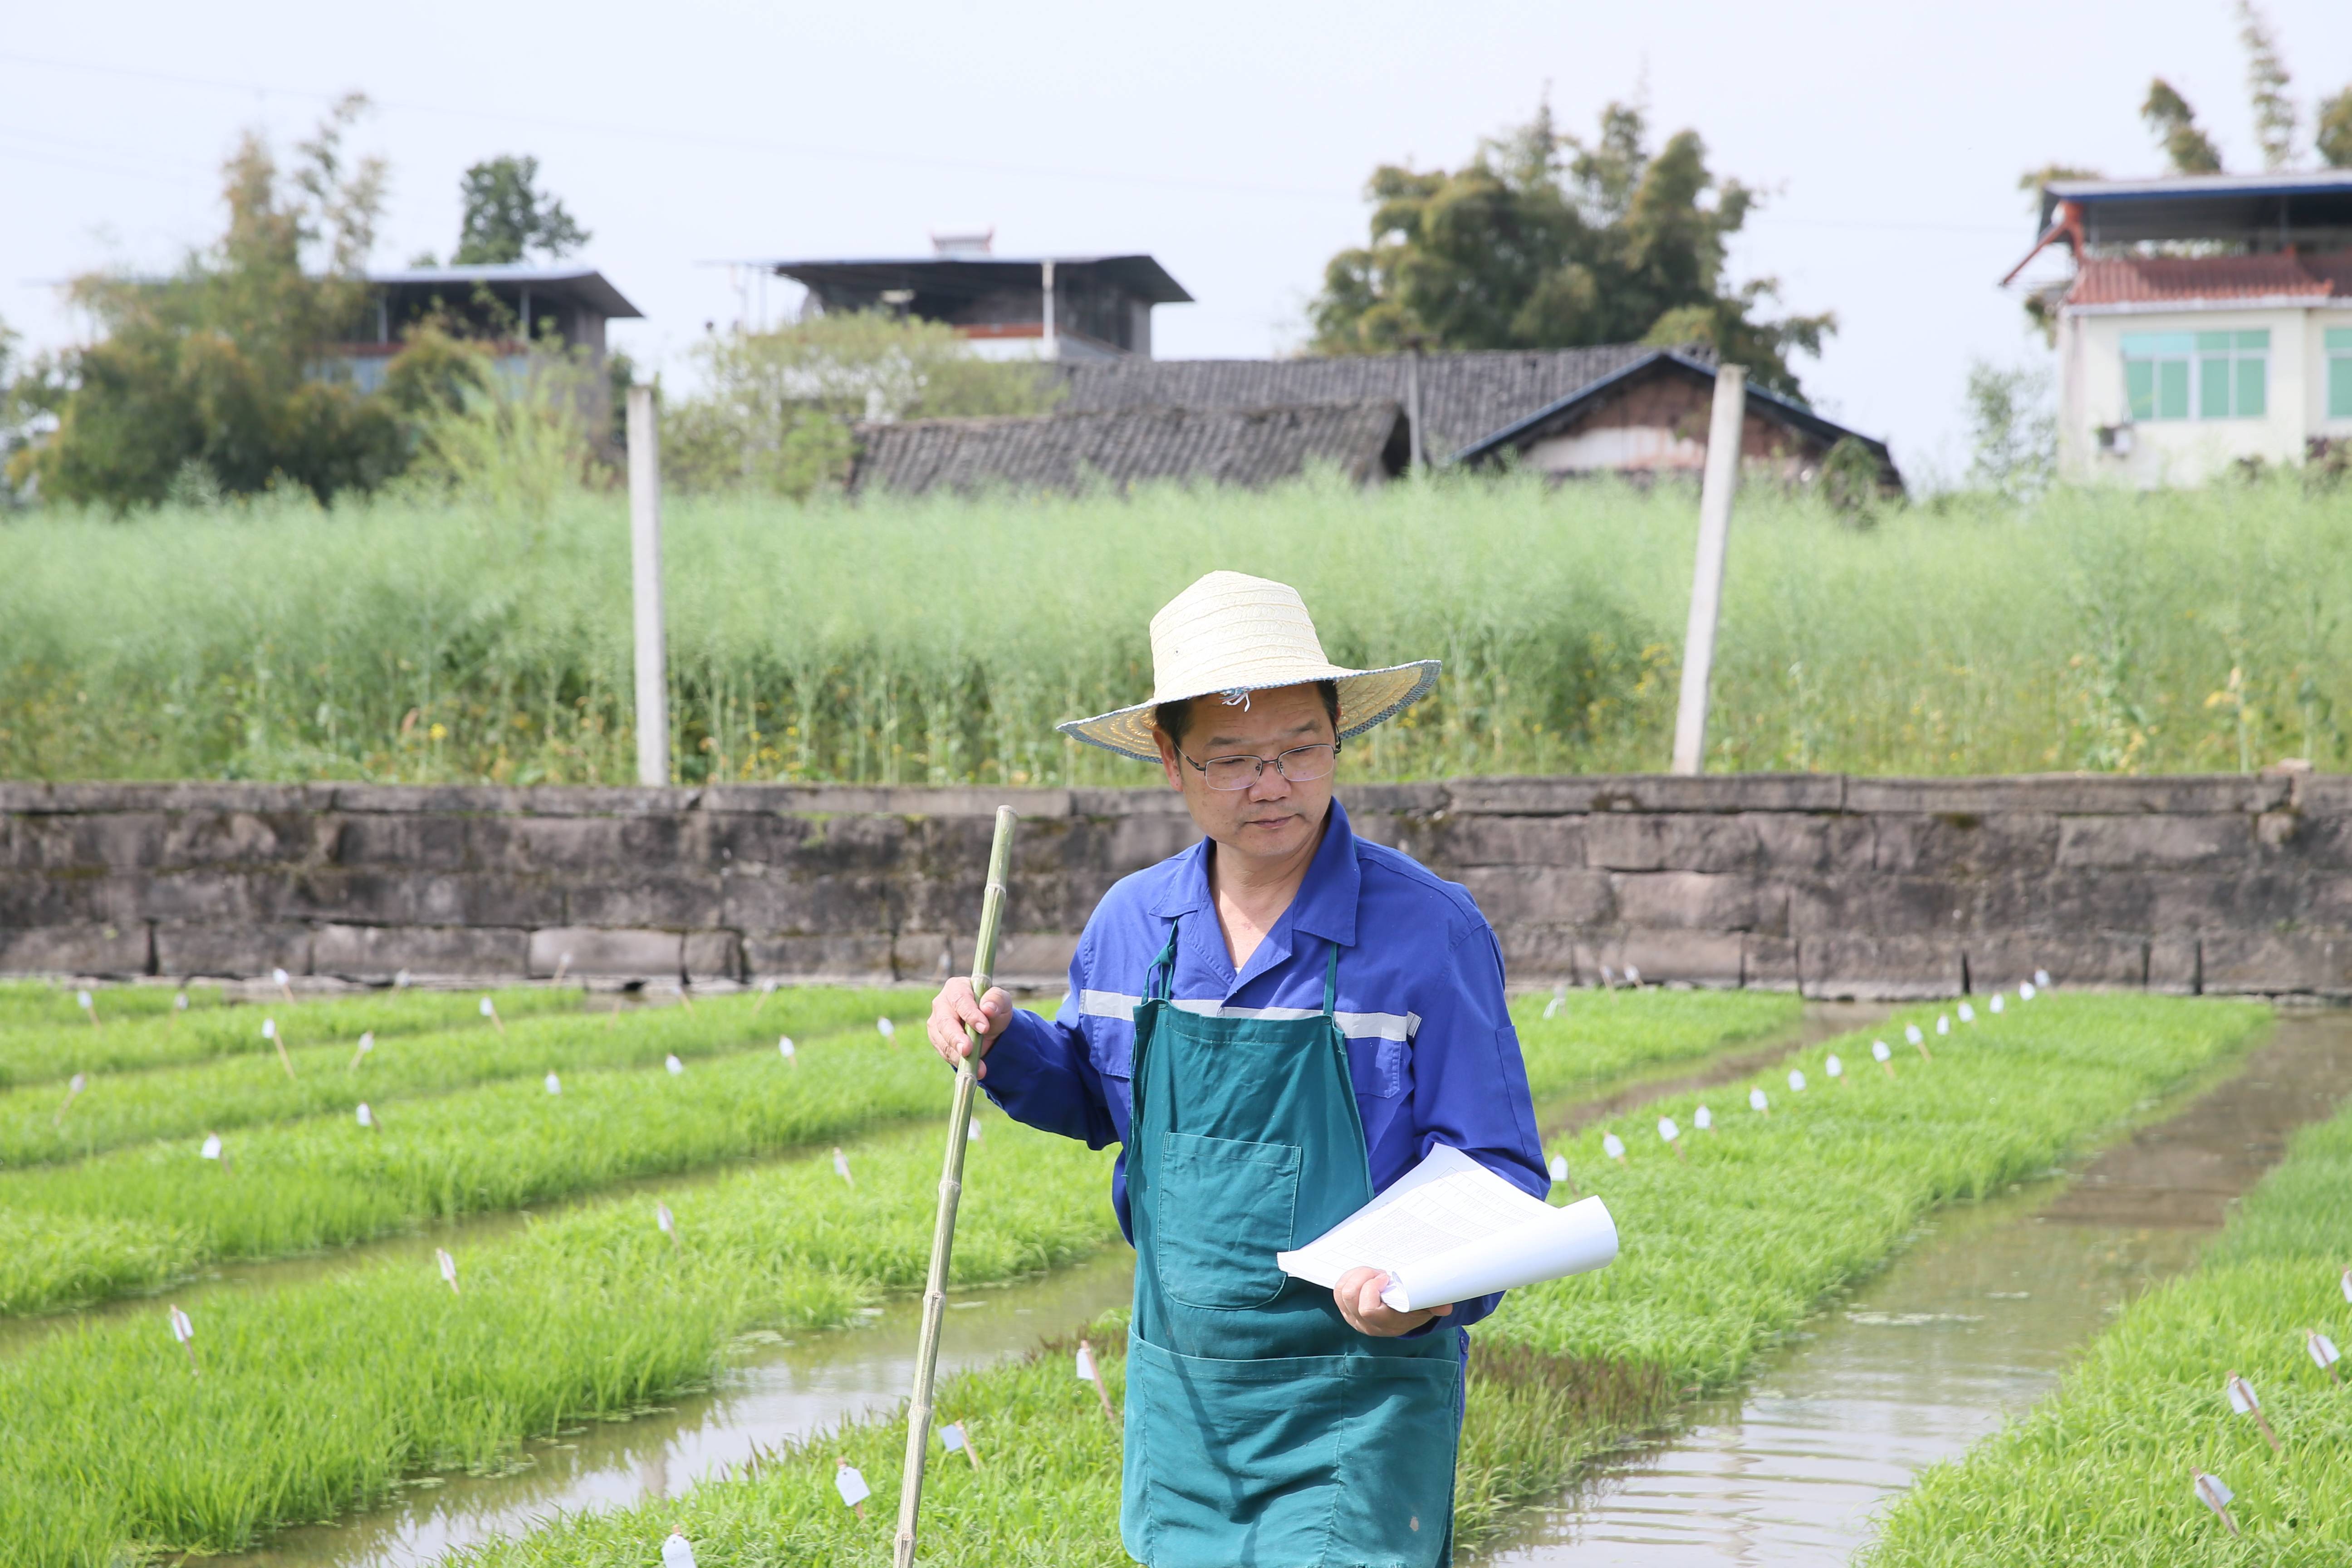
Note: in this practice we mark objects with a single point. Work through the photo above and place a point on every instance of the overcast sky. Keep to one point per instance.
(1230, 140)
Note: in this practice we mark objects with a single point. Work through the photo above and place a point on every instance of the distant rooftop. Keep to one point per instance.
(966, 273)
(2276, 209)
(578, 285)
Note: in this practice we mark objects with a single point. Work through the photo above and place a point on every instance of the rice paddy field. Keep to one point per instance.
(2099, 630)
(303, 1400)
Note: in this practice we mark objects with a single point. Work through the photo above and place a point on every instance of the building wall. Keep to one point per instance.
(1835, 885)
(2092, 395)
(1660, 426)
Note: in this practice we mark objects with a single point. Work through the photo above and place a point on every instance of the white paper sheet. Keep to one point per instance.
(1450, 1229)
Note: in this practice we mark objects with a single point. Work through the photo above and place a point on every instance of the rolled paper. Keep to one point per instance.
(1796, 1081)
(850, 1484)
(1576, 1239)
(1755, 1101)
(677, 1551)
(554, 1084)
(784, 1049)
(675, 1067)
(2025, 991)
(884, 1027)
(1702, 1118)
(1613, 1146)
(1667, 1130)
(1967, 1014)
(1833, 1067)
(1878, 1051)
(211, 1149)
(2042, 978)
(1558, 1166)
(841, 1165)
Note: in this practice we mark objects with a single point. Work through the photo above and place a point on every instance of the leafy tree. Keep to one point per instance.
(212, 370)
(2266, 85)
(1543, 241)
(2173, 125)
(2332, 133)
(780, 407)
(507, 217)
(2012, 431)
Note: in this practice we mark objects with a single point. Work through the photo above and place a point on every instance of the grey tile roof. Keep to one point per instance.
(1465, 398)
(1363, 437)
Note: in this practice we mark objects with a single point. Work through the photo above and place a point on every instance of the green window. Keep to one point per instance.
(2224, 375)
(2339, 372)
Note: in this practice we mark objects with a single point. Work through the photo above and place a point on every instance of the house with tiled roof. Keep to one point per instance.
(2208, 322)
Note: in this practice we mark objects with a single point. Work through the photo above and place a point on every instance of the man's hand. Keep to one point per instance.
(955, 1009)
(1359, 1295)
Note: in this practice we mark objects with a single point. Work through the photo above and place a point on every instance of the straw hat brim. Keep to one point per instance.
(1367, 698)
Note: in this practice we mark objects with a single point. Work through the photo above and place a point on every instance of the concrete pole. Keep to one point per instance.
(1419, 457)
(1053, 350)
(1723, 437)
(646, 585)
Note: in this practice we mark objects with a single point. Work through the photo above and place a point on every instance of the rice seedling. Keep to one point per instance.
(2100, 1472)
(40, 1001)
(317, 1397)
(412, 644)
(1579, 1044)
(1723, 1255)
(50, 1049)
(249, 1090)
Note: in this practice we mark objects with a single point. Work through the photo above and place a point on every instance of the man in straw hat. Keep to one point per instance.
(1275, 1025)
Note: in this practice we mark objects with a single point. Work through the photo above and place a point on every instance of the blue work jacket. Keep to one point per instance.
(1430, 1042)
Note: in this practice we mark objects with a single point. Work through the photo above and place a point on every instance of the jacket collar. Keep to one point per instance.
(1325, 904)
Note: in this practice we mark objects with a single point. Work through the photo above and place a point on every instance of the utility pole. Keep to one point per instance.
(645, 589)
(1413, 438)
(1723, 440)
(1052, 350)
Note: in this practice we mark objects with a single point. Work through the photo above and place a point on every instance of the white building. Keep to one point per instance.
(2172, 367)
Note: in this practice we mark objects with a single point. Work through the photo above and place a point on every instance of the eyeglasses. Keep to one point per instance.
(1300, 764)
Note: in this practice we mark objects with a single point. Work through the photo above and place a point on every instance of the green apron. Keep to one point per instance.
(1262, 1431)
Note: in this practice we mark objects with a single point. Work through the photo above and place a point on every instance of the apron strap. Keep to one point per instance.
(1331, 984)
(1160, 982)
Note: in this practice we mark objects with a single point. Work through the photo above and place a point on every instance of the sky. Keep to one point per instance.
(1231, 141)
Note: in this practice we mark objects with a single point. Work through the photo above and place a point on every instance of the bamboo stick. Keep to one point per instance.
(935, 1296)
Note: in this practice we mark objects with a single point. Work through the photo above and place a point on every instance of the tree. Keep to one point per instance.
(2173, 125)
(780, 407)
(2332, 133)
(2012, 431)
(506, 217)
(2266, 85)
(212, 372)
(1542, 241)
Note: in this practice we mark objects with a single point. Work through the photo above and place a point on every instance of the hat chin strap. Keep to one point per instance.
(1238, 697)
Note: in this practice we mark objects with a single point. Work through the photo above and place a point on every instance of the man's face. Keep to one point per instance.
(1273, 818)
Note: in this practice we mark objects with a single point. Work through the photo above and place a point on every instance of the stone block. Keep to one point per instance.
(858, 960)
(229, 949)
(250, 839)
(1698, 900)
(1960, 843)
(679, 900)
(2068, 795)
(1462, 840)
(2176, 964)
(216, 897)
(1541, 957)
(1648, 792)
(109, 950)
(422, 841)
(1137, 842)
(750, 840)
(1540, 895)
(1391, 799)
(1769, 964)
(50, 899)
(2073, 956)
(777, 901)
(1040, 958)
(2308, 962)
(1887, 906)
(2211, 843)
(1695, 957)
(379, 953)
(713, 955)
(1841, 964)
(589, 846)
(388, 897)
(657, 955)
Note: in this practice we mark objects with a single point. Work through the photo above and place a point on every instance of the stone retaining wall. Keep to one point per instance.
(1836, 886)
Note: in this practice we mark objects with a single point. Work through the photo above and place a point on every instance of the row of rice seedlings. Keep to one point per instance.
(304, 1401)
(50, 1122)
(1723, 1250)
(52, 1050)
(46, 1001)
(2106, 1469)
(1579, 1044)
(276, 1192)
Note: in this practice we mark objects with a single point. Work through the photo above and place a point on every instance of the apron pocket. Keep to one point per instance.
(1221, 1209)
(1239, 1461)
(1397, 1449)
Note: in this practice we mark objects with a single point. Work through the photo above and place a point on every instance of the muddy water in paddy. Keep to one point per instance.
(1970, 1327)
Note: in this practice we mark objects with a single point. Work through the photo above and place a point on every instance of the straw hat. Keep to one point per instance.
(1232, 635)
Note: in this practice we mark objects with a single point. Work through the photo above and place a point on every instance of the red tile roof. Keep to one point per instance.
(2158, 279)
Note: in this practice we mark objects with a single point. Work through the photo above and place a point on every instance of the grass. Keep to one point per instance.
(2099, 629)
(45, 1037)
(2099, 1473)
(1724, 1254)
(254, 1089)
(1601, 1040)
